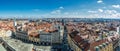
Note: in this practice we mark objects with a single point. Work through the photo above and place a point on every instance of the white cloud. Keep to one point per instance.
(56, 12)
(99, 1)
(61, 7)
(92, 11)
(116, 15)
(116, 6)
(100, 10)
(100, 13)
(96, 11)
(110, 11)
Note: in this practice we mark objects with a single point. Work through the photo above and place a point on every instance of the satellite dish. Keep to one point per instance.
(8, 33)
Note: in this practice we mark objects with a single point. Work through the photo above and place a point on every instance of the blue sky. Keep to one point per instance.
(60, 8)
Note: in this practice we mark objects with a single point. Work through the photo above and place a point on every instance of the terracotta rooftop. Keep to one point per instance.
(96, 43)
(81, 43)
(34, 34)
(83, 30)
(7, 25)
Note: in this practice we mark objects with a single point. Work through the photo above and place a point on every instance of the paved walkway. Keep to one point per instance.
(2, 48)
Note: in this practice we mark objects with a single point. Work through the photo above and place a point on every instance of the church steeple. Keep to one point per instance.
(15, 23)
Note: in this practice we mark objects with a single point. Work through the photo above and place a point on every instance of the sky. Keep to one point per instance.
(60, 8)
